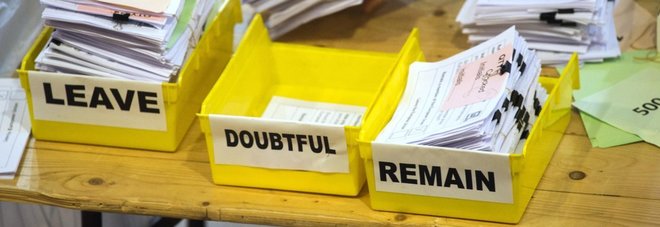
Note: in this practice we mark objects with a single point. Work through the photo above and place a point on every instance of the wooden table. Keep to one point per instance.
(621, 185)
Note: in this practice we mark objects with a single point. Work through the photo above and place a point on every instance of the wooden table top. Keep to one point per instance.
(621, 186)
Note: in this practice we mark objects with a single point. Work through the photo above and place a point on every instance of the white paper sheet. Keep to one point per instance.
(282, 108)
(14, 126)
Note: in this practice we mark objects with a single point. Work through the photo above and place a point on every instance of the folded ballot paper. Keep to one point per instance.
(555, 29)
(135, 40)
(282, 16)
(485, 98)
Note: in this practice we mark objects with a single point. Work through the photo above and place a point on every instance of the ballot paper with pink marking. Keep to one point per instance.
(485, 84)
(485, 98)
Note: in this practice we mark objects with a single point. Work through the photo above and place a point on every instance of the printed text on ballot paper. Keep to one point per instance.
(97, 101)
(445, 95)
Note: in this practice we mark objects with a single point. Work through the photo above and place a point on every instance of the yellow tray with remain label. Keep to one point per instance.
(248, 150)
(123, 113)
(462, 183)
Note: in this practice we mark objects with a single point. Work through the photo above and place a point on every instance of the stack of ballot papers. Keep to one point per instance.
(555, 29)
(485, 98)
(282, 16)
(136, 40)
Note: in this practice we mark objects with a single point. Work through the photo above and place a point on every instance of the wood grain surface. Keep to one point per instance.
(620, 185)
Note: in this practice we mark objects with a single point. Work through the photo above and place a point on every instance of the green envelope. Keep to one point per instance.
(597, 76)
(630, 105)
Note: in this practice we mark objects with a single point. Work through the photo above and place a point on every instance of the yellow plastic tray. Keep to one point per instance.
(526, 169)
(182, 98)
(262, 69)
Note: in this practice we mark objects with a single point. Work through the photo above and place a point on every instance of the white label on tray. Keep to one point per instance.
(442, 172)
(97, 101)
(279, 144)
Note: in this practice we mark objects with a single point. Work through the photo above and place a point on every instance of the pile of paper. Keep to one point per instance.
(485, 98)
(282, 16)
(136, 40)
(555, 29)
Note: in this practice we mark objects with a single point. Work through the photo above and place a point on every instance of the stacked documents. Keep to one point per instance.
(282, 16)
(485, 98)
(555, 29)
(136, 40)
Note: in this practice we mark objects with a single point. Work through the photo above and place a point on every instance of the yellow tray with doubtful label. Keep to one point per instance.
(261, 70)
(461, 183)
(123, 113)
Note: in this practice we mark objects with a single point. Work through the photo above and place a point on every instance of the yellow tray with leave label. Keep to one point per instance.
(154, 116)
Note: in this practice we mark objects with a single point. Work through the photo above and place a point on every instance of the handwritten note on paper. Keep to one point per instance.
(632, 105)
(14, 126)
(479, 80)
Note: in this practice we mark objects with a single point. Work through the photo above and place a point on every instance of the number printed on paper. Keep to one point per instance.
(648, 107)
